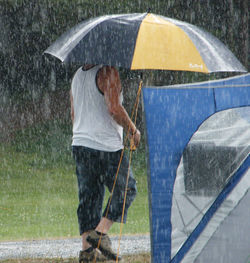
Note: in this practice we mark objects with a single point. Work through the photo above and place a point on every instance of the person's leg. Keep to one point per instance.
(90, 191)
(99, 237)
(85, 244)
(115, 211)
(104, 225)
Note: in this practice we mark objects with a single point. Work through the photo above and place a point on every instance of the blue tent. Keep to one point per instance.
(198, 138)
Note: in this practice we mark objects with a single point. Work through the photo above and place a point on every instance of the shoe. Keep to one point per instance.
(86, 257)
(104, 246)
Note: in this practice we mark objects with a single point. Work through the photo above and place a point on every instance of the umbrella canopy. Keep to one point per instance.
(144, 41)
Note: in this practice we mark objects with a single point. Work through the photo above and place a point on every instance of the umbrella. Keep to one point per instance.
(144, 41)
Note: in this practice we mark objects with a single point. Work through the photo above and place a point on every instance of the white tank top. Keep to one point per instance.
(93, 125)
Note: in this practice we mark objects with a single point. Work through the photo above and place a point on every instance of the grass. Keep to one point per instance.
(38, 186)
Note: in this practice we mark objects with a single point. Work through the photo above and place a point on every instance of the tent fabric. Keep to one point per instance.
(210, 223)
(233, 230)
(198, 139)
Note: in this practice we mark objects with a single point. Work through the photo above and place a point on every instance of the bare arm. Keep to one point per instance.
(109, 83)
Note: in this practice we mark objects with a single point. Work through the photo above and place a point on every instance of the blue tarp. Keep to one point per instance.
(173, 114)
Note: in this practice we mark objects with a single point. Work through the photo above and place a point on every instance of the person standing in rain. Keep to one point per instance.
(98, 119)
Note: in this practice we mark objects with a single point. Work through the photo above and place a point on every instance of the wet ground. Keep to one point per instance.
(65, 248)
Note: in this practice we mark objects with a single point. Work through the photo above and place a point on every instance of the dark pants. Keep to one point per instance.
(95, 170)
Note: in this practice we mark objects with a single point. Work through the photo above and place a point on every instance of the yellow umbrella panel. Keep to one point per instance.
(163, 45)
